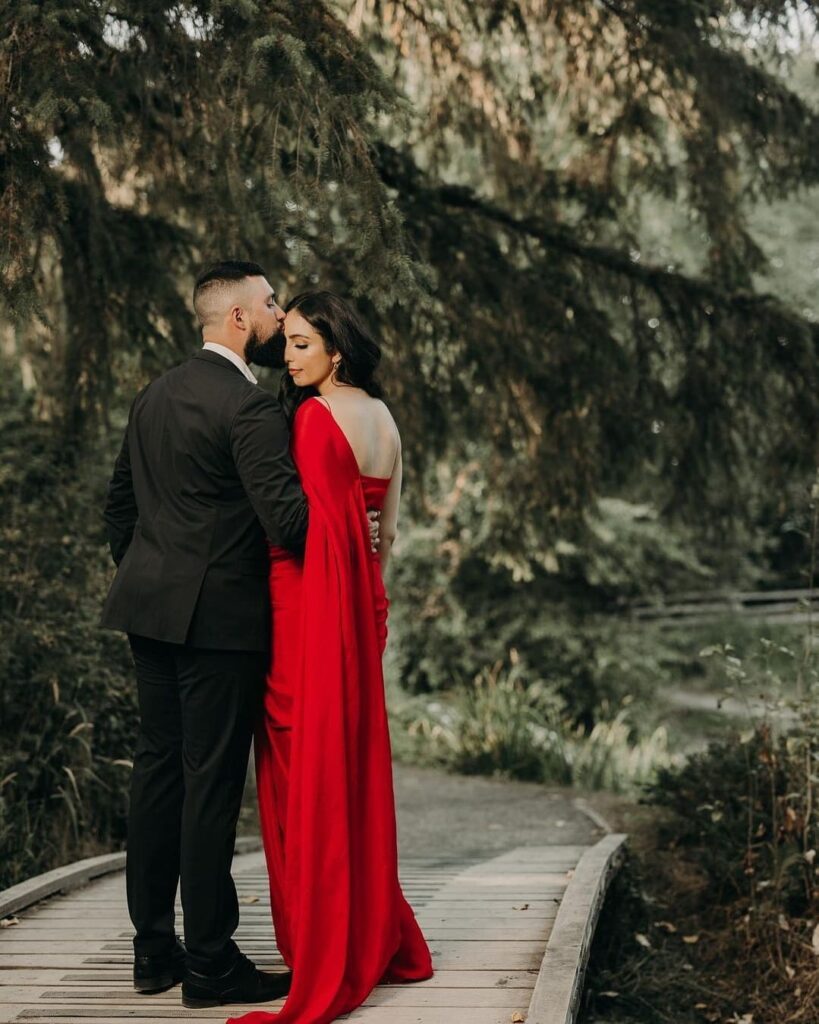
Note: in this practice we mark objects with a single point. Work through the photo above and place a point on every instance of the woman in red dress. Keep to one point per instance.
(323, 764)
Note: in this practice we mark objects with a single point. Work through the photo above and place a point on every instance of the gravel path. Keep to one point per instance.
(473, 816)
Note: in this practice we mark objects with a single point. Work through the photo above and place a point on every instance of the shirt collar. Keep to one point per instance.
(229, 354)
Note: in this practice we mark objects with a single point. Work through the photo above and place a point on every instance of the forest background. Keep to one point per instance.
(585, 232)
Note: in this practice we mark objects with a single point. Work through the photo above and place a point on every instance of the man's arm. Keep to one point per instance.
(121, 510)
(260, 442)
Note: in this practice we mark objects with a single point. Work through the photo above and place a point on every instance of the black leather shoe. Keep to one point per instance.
(242, 982)
(159, 973)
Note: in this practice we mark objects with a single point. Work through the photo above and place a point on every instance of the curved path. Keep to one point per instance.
(506, 879)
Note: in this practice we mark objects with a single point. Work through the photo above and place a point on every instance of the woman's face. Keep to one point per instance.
(307, 360)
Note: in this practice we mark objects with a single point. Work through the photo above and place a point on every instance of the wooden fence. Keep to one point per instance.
(696, 607)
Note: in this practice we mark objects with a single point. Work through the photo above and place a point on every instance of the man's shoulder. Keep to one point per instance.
(257, 401)
(217, 376)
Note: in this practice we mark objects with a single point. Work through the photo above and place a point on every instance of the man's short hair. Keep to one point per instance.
(217, 277)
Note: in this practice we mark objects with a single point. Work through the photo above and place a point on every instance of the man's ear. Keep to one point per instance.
(238, 318)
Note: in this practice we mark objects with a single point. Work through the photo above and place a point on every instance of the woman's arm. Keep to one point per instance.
(389, 514)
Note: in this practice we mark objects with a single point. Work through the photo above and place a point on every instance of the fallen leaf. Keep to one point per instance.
(524, 907)
(9, 922)
(691, 939)
(643, 940)
(610, 993)
(667, 925)
(518, 1018)
(789, 971)
(700, 1006)
(783, 923)
(249, 899)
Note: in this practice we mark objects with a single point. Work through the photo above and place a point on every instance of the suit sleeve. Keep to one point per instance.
(260, 442)
(121, 510)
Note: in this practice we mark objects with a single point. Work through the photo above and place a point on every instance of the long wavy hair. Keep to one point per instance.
(342, 331)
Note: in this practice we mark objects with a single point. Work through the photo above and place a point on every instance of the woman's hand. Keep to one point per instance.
(373, 515)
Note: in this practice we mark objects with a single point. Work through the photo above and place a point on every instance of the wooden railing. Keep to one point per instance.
(695, 607)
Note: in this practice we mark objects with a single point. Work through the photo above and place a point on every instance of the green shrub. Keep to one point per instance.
(748, 804)
(502, 725)
(67, 700)
(457, 608)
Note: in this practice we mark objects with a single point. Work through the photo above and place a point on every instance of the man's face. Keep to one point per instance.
(265, 343)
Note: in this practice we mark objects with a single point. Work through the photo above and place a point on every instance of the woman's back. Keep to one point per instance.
(375, 443)
(370, 430)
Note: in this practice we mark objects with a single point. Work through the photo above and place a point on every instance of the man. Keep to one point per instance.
(204, 477)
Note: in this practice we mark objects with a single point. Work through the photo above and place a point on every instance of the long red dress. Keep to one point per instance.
(323, 760)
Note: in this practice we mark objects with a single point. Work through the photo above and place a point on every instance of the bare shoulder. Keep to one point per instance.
(381, 409)
(358, 405)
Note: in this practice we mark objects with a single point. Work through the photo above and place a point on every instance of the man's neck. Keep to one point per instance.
(225, 352)
(237, 347)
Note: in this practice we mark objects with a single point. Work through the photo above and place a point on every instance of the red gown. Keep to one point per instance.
(323, 760)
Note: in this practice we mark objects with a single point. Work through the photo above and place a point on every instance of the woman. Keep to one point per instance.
(323, 766)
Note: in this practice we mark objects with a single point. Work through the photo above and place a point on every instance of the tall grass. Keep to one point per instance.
(502, 725)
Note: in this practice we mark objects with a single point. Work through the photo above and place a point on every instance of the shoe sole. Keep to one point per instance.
(150, 986)
(191, 1003)
(200, 1004)
(158, 983)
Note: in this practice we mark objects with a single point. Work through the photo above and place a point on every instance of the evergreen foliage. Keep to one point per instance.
(471, 172)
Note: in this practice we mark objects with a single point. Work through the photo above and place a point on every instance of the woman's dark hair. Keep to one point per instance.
(344, 332)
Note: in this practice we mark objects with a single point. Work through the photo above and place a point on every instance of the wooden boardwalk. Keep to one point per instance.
(489, 923)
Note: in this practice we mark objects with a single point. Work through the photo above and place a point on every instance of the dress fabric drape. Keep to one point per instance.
(323, 759)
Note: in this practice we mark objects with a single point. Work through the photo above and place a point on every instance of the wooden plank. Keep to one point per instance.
(93, 976)
(502, 905)
(556, 995)
(374, 1014)
(59, 880)
(524, 920)
(121, 1001)
(485, 957)
(435, 1015)
(460, 998)
(148, 1015)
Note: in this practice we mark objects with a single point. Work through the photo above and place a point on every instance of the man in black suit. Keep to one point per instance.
(204, 477)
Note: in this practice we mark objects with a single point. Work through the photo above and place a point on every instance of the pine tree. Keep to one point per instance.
(472, 174)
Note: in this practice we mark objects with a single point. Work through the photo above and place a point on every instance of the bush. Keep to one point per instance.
(502, 725)
(67, 698)
(748, 805)
(729, 875)
(458, 608)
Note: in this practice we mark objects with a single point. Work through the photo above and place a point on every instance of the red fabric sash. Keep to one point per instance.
(342, 922)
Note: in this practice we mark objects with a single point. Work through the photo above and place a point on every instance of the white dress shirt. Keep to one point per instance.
(237, 361)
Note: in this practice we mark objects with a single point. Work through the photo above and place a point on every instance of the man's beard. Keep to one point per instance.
(267, 352)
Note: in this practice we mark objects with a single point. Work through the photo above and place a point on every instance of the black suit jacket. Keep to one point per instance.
(203, 475)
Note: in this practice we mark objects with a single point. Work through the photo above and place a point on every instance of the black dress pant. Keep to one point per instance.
(197, 710)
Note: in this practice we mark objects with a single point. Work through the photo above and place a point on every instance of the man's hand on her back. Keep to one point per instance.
(374, 515)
